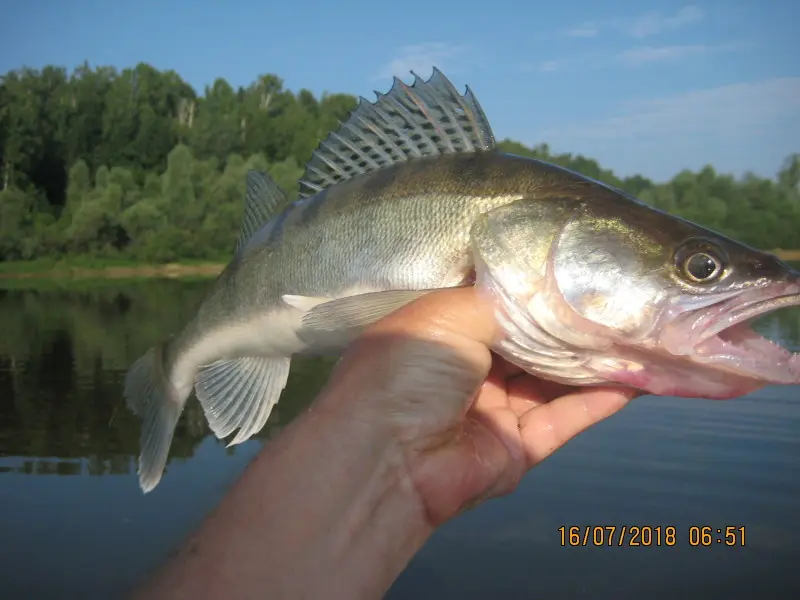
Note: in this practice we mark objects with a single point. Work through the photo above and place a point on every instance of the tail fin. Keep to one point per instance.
(150, 394)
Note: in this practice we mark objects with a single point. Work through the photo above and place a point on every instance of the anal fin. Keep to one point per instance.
(240, 393)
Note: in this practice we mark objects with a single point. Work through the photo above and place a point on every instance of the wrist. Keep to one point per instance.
(374, 521)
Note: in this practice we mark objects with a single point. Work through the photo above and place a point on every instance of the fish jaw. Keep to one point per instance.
(710, 352)
(721, 337)
(667, 375)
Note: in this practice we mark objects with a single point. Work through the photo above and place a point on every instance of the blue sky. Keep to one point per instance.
(643, 87)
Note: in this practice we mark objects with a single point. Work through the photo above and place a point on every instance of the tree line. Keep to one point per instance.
(134, 164)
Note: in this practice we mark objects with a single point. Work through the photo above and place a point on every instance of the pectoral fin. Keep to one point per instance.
(336, 323)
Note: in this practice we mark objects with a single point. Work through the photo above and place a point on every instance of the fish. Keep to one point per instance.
(411, 194)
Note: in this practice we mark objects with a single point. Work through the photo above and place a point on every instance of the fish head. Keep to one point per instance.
(610, 290)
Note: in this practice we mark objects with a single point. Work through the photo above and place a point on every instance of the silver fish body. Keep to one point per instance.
(407, 227)
(589, 285)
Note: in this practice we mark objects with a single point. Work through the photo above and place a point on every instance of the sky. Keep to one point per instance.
(648, 87)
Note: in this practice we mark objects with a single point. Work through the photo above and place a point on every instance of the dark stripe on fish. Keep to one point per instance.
(308, 211)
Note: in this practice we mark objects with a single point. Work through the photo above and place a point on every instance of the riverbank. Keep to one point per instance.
(85, 269)
(788, 255)
(111, 270)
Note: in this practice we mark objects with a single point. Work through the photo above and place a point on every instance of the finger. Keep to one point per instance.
(527, 391)
(440, 340)
(524, 393)
(443, 315)
(434, 347)
(500, 429)
(493, 393)
(546, 428)
(550, 390)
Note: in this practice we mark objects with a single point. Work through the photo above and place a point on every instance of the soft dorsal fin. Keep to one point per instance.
(425, 119)
(261, 201)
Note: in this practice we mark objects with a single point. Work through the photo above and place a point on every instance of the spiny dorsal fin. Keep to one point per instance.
(427, 118)
(262, 200)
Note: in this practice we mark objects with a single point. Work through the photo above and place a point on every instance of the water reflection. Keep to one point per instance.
(63, 358)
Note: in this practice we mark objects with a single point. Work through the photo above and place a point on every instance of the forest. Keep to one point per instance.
(135, 165)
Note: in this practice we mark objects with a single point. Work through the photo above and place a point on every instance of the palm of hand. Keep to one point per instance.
(514, 423)
(467, 424)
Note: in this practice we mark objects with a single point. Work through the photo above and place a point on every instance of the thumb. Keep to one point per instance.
(456, 315)
(422, 365)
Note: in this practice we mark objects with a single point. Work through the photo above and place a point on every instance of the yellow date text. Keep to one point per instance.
(697, 536)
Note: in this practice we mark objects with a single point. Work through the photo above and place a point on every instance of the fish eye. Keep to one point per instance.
(702, 267)
(700, 261)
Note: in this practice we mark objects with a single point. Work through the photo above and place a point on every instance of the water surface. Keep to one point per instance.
(73, 523)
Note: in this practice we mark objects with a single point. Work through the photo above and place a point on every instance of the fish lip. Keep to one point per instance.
(725, 340)
(750, 305)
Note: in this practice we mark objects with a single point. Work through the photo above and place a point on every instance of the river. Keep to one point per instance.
(73, 523)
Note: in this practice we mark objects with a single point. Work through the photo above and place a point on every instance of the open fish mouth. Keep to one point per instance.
(723, 335)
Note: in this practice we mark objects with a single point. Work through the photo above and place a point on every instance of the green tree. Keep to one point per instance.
(133, 163)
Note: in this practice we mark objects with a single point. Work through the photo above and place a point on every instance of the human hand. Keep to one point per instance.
(418, 422)
(465, 424)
